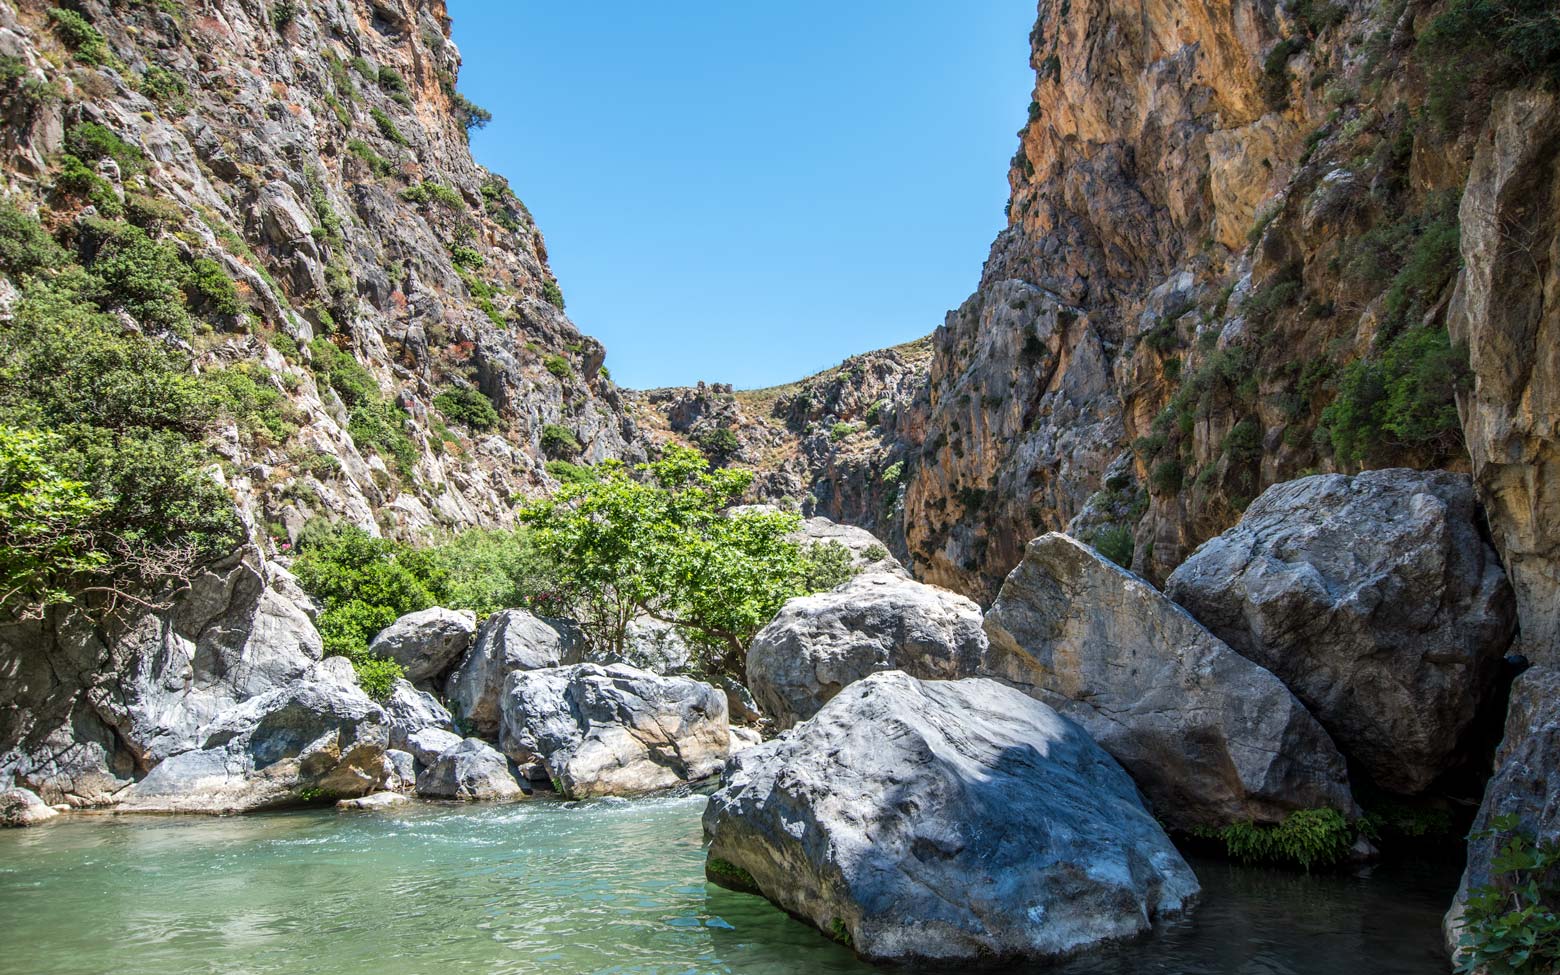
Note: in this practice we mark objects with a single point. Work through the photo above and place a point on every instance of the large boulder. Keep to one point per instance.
(410, 711)
(1376, 599)
(867, 552)
(87, 706)
(508, 641)
(596, 730)
(819, 644)
(427, 744)
(944, 820)
(22, 807)
(471, 771)
(426, 642)
(1526, 784)
(319, 737)
(1210, 737)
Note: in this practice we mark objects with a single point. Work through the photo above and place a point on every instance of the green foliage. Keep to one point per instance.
(466, 256)
(373, 420)
(1306, 838)
(1511, 925)
(1316, 16)
(464, 404)
(379, 164)
(1476, 47)
(489, 570)
(1414, 257)
(1114, 542)
(558, 366)
(827, 565)
(875, 411)
(140, 275)
(559, 441)
(163, 87)
(472, 115)
(283, 14)
(46, 540)
(92, 141)
(569, 473)
(661, 539)
(435, 192)
(1166, 477)
(387, 127)
(207, 286)
(76, 179)
(841, 430)
(80, 36)
(1402, 398)
(25, 247)
(729, 874)
(718, 442)
(364, 69)
(392, 82)
(552, 293)
(893, 472)
(1275, 72)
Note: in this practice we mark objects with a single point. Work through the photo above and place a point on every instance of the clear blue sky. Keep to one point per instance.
(748, 193)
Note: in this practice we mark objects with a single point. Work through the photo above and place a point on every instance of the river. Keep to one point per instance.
(548, 887)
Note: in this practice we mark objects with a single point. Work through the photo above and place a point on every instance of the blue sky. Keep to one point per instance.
(748, 193)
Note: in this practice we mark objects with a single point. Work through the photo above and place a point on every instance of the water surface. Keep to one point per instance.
(543, 887)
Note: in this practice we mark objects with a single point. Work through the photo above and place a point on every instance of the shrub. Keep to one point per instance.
(552, 293)
(25, 247)
(1114, 542)
(379, 164)
(718, 442)
(207, 286)
(80, 36)
(1511, 925)
(875, 411)
(432, 191)
(1166, 477)
(392, 82)
(464, 404)
(842, 430)
(387, 127)
(559, 440)
(558, 366)
(466, 256)
(92, 141)
(1476, 47)
(569, 473)
(1405, 397)
(283, 14)
(828, 564)
(163, 86)
(893, 472)
(1275, 72)
(472, 115)
(1306, 838)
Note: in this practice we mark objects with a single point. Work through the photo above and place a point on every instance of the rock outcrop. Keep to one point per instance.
(1376, 599)
(594, 730)
(1526, 785)
(819, 644)
(470, 771)
(944, 820)
(87, 709)
(317, 738)
(410, 711)
(427, 642)
(1210, 737)
(509, 641)
(22, 807)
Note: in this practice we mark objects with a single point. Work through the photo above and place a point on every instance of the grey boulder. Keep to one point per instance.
(945, 820)
(22, 807)
(378, 800)
(471, 770)
(317, 738)
(596, 730)
(821, 643)
(410, 710)
(867, 552)
(1376, 599)
(508, 641)
(1211, 738)
(426, 642)
(427, 744)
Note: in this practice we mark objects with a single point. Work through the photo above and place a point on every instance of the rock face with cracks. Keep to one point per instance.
(508, 641)
(1376, 599)
(597, 730)
(1210, 737)
(945, 820)
(426, 642)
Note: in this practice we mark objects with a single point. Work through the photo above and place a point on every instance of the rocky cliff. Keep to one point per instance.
(317, 154)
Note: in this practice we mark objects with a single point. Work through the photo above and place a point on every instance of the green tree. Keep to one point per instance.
(661, 539)
(45, 535)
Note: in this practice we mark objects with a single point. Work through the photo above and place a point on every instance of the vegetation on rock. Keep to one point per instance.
(1511, 926)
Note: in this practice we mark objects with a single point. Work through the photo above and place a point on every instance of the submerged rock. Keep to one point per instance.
(821, 643)
(1376, 599)
(945, 820)
(319, 737)
(470, 770)
(22, 807)
(596, 730)
(1210, 737)
(379, 800)
(426, 642)
(509, 641)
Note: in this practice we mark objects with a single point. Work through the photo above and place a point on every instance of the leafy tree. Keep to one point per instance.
(661, 539)
(45, 518)
(489, 570)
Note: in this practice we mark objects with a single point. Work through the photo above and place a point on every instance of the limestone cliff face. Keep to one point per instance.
(318, 152)
(1224, 217)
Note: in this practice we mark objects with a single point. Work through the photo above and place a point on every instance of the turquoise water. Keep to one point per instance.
(545, 887)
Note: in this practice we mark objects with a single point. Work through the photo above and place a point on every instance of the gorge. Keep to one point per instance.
(1215, 530)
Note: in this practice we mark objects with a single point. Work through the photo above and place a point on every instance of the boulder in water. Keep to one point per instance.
(471, 770)
(22, 807)
(945, 820)
(508, 641)
(1211, 738)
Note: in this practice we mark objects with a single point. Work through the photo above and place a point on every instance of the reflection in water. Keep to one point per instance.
(606, 887)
